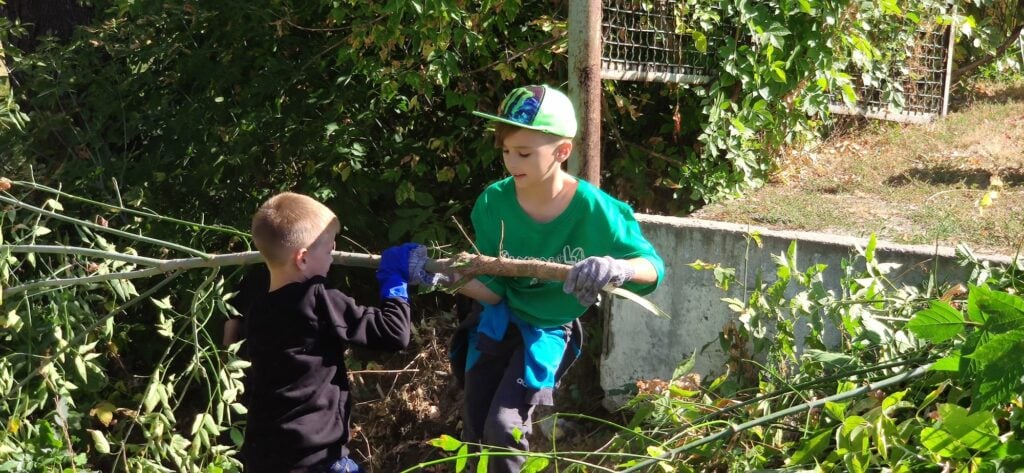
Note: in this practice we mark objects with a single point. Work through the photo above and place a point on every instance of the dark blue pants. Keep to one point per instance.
(497, 403)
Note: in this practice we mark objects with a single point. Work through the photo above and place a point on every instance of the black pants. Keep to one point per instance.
(498, 406)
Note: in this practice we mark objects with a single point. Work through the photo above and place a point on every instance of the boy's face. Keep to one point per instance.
(316, 260)
(533, 158)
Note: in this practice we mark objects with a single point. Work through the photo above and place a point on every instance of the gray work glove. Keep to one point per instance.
(588, 277)
(418, 275)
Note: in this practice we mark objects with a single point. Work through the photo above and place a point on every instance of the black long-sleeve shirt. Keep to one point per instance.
(299, 400)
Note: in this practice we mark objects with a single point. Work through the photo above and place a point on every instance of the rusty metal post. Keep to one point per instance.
(585, 87)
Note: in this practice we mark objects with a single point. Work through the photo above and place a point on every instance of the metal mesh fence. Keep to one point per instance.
(920, 78)
(642, 42)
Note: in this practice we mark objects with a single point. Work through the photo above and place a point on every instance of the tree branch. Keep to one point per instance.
(101, 228)
(733, 429)
(967, 69)
(466, 264)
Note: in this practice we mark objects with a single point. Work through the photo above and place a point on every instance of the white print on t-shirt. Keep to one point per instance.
(569, 255)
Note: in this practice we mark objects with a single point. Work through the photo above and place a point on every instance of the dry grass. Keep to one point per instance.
(916, 184)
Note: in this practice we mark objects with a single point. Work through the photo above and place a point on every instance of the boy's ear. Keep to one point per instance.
(563, 151)
(299, 258)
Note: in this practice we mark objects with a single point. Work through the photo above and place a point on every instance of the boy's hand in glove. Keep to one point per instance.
(418, 275)
(588, 277)
(393, 272)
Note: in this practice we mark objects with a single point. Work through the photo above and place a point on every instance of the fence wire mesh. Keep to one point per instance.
(914, 89)
(643, 41)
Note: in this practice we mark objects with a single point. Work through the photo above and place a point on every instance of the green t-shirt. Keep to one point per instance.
(594, 224)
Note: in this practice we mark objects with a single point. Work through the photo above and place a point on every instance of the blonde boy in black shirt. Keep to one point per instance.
(299, 402)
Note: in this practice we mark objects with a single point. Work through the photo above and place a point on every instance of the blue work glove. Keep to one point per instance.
(588, 277)
(393, 272)
(418, 275)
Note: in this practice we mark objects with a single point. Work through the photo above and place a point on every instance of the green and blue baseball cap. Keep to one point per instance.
(537, 107)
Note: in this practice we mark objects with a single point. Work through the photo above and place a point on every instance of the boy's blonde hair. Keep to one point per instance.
(287, 222)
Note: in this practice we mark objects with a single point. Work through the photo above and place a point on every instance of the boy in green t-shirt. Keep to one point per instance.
(527, 334)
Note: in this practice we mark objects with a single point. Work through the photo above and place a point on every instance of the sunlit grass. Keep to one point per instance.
(912, 184)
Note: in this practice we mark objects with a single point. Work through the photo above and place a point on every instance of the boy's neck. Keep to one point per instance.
(281, 277)
(546, 193)
(545, 203)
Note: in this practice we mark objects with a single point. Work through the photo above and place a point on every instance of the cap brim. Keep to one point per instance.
(510, 122)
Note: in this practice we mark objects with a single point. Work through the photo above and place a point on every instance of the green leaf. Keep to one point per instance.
(810, 449)
(702, 266)
(99, 441)
(237, 436)
(885, 434)
(890, 7)
(460, 460)
(80, 369)
(517, 434)
(535, 465)
(893, 400)
(700, 41)
(685, 367)
(976, 431)
(959, 431)
(446, 442)
(938, 323)
(741, 129)
(724, 277)
(53, 204)
(151, 398)
(164, 303)
(781, 74)
(481, 465)
(999, 348)
(998, 381)
(941, 443)
(932, 396)
(849, 95)
(974, 296)
(831, 359)
(238, 365)
(948, 363)
(1003, 311)
(646, 304)
(869, 252)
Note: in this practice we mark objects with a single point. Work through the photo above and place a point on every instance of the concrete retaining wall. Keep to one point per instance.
(639, 345)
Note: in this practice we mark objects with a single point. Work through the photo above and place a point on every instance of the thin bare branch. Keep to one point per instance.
(131, 236)
(75, 250)
(127, 210)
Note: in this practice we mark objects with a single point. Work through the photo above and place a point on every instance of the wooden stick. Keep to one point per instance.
(466, 264)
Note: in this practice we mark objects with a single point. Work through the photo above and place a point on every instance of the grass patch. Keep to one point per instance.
(913, 184)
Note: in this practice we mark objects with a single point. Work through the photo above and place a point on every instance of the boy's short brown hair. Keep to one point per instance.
(287, 222)
(502, 130)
